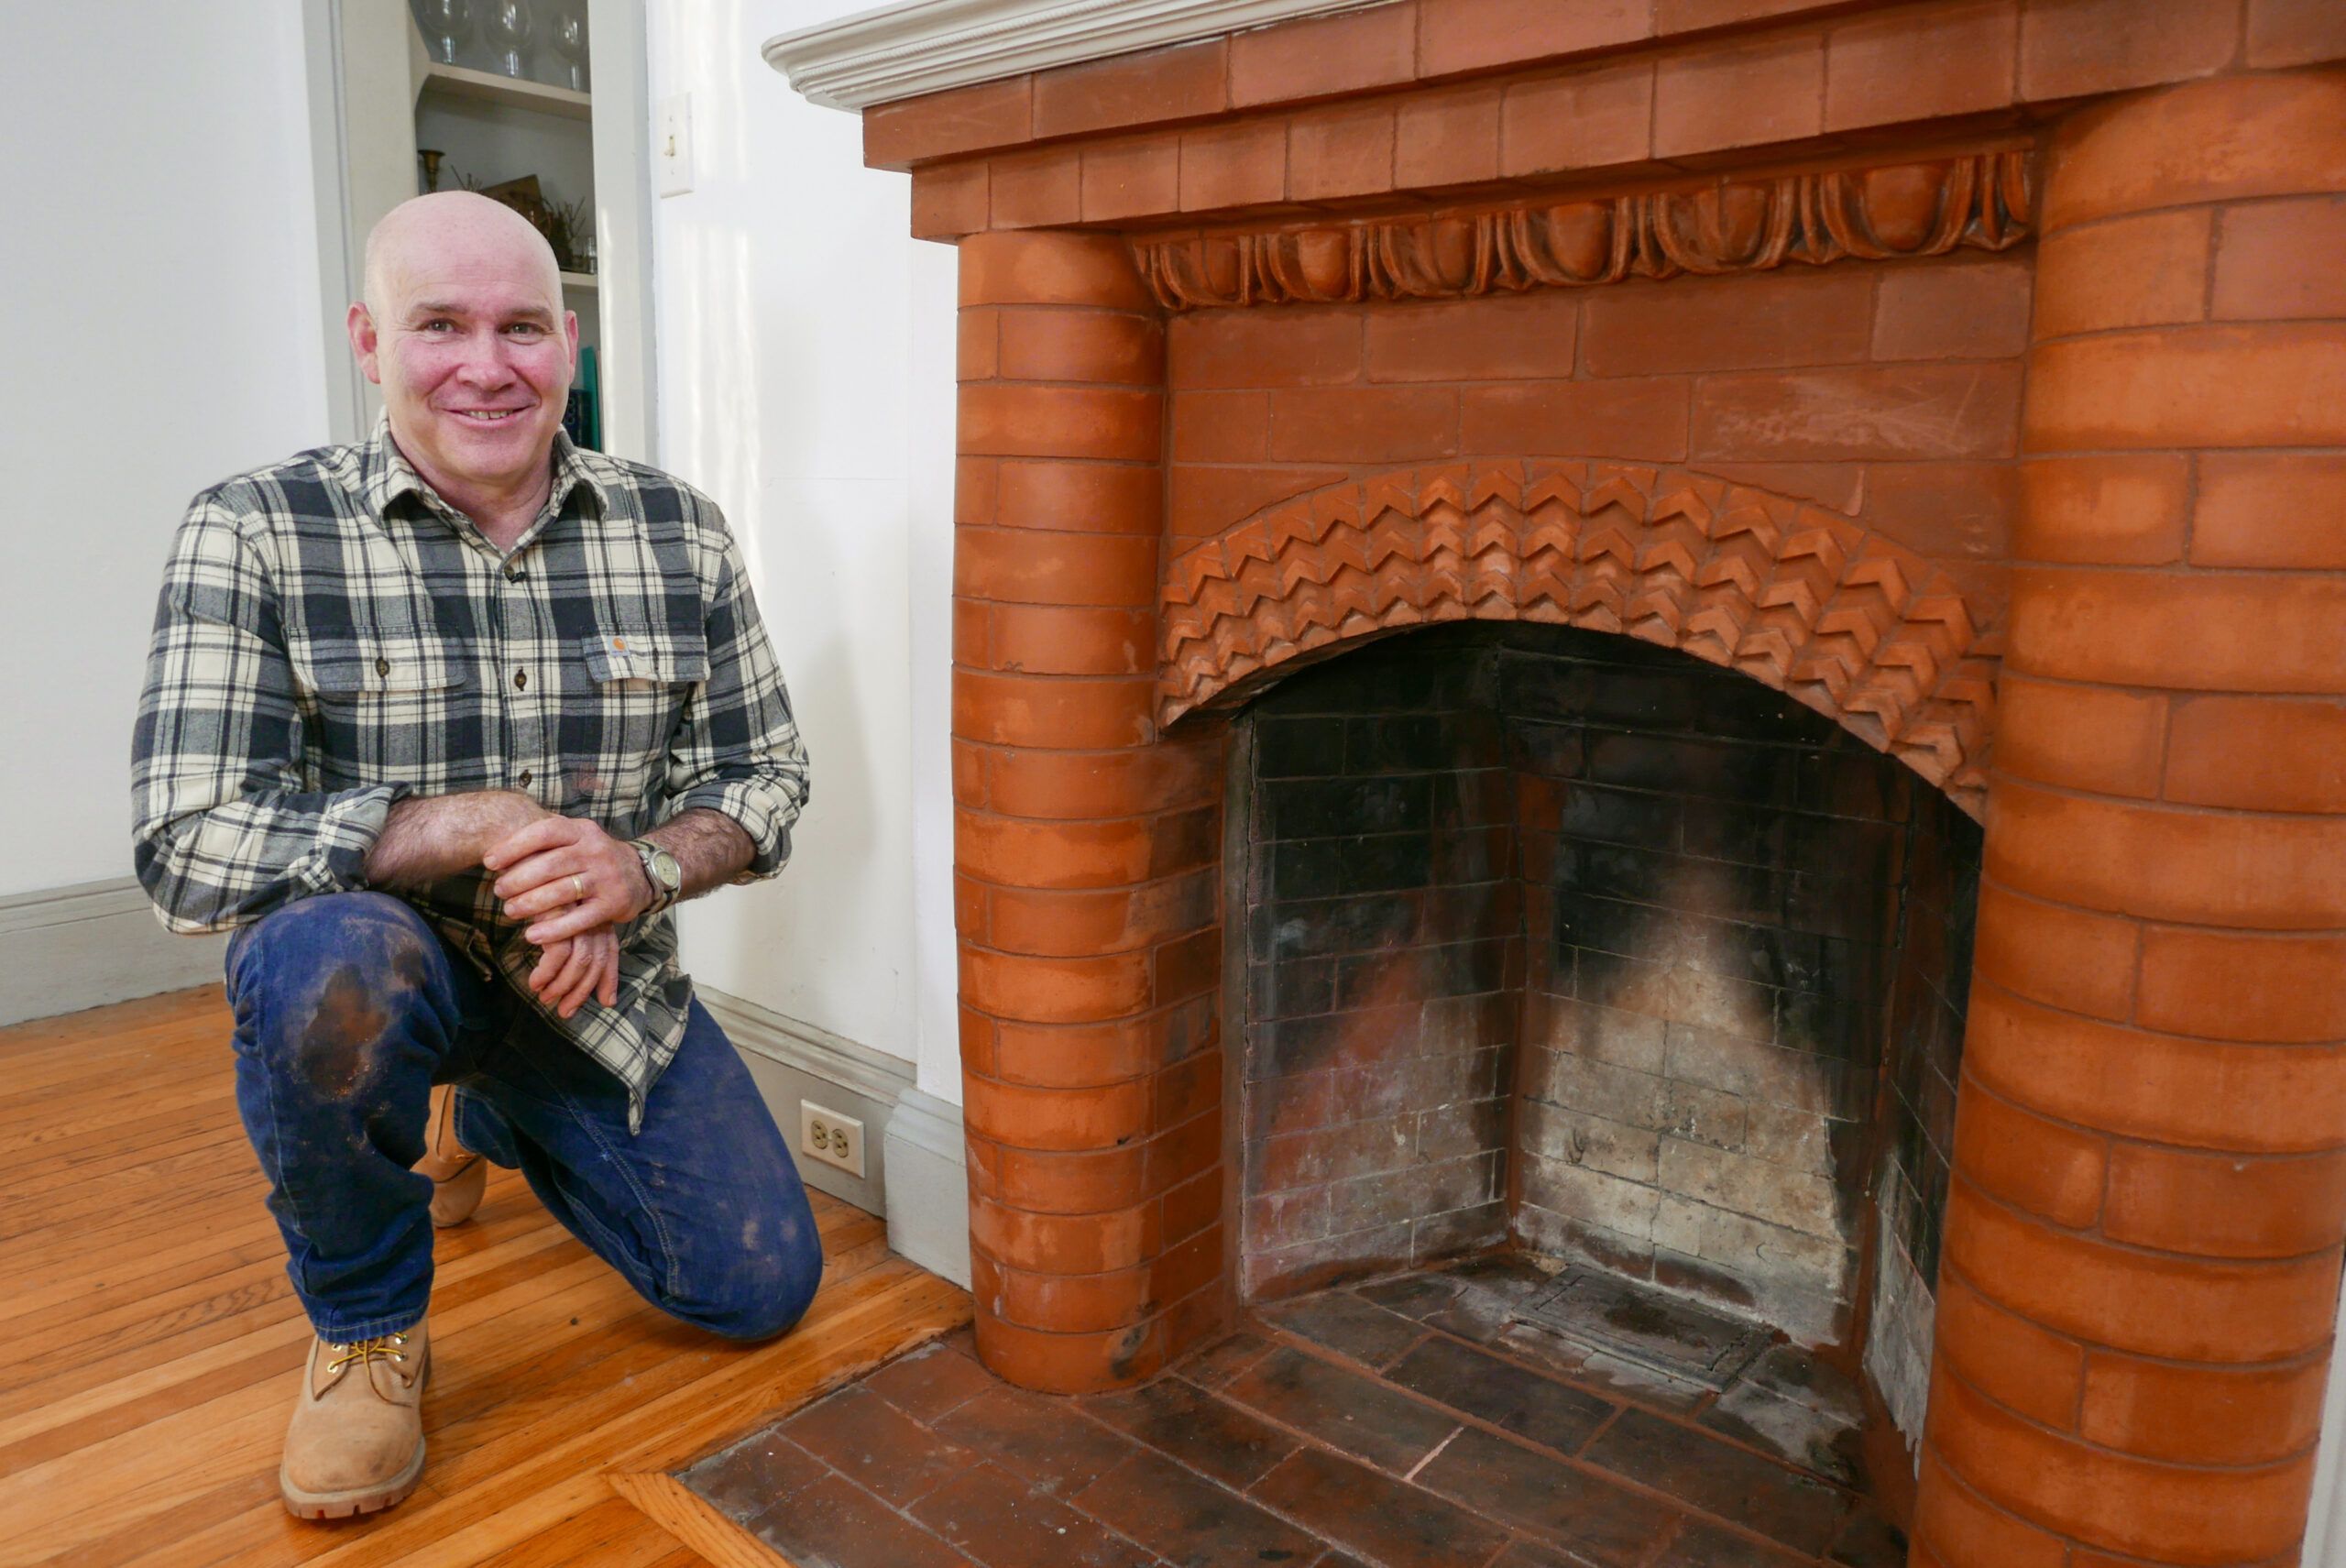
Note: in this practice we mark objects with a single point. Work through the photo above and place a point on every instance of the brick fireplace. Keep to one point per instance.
(1523, 568)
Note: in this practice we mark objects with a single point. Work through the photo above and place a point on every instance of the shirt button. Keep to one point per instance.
(522, 678)
(512, 574)
(382, 667)
(524, 779)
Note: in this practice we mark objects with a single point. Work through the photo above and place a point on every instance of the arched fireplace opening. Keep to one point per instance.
(1630, 975)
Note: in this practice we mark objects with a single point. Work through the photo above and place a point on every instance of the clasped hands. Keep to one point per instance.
(576, 885)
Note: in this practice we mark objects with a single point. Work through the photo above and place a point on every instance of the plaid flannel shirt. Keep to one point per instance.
(332, 637)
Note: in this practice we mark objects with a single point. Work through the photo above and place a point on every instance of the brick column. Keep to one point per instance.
(1086, 853)
(2141, 1257)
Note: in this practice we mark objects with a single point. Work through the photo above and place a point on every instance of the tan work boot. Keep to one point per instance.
(356, 1443)
(458, 1175)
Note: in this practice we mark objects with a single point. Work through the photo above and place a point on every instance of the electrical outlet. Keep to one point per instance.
(672, 144)
(830, 1138)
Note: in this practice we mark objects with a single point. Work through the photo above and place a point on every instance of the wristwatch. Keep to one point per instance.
(663, 870)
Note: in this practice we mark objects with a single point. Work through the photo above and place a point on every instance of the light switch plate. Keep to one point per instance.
(672, 144)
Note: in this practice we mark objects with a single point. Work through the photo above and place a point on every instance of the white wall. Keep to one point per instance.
(158, 308)
(791, 310)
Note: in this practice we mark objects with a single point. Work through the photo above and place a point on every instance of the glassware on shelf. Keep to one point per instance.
(577, 224)
(445, 23)
(508, 29)
(569, 40)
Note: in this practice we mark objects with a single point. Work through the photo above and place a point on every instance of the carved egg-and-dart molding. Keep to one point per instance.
(1978, 201)
(1802, 600)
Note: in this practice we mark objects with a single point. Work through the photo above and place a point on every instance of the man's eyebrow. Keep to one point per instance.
(538, 313)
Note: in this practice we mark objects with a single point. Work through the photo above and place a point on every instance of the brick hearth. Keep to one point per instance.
(1408, 1423)
(1969, 372)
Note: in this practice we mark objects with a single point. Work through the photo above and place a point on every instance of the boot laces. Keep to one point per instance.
(382, 1347)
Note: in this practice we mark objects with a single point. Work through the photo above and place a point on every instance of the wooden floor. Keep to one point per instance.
(150, 1345)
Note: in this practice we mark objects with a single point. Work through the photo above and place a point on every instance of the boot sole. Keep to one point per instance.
(358, 1499)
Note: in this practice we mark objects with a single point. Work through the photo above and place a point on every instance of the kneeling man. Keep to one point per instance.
(442, 724)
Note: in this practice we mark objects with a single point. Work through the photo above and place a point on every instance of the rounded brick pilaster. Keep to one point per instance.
(1087, 851)
(2150, 1170)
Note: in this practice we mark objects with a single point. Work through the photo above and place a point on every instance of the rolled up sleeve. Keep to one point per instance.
(223, 831)
(738, 751)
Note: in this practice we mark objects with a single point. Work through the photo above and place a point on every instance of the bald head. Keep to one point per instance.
(454, 233)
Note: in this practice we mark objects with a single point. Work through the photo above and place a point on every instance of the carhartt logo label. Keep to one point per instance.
(623, 660)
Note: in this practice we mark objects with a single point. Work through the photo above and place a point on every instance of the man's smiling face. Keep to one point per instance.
(464, 330)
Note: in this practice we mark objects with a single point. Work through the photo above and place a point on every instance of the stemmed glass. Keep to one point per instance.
(508, 29)
(445, 22)
(570, 42)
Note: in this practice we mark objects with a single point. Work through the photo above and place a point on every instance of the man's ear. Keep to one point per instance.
(570, 329)
(362, 340)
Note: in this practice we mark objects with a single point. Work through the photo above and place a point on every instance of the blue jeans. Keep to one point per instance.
(349, 1008)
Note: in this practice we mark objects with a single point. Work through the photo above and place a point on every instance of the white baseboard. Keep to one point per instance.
(916, 1175)
(793, 1061)
(65, 948)
(929, 1187)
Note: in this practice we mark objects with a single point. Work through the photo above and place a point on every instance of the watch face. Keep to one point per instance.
(666, 867)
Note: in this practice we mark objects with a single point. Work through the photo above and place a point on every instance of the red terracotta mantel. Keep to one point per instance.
(1974, 370)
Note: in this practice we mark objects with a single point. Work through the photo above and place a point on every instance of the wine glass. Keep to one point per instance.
(445, 23)
(509, 30)
(569, 41)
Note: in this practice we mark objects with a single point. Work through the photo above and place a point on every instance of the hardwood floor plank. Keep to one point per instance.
(175, 1056)
(76, 1235)
(83, 1122)
(222, 1302)
(244, 1497)
(692, 1521)
(31, 1181)
(612, 1534)
(180, 1045)
(214, 1249)
(84, 1324)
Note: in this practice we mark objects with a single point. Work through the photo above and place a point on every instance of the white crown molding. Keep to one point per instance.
(925, 46)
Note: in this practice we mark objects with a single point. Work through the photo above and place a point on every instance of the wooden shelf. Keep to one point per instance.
(579, 280)
(487, 86)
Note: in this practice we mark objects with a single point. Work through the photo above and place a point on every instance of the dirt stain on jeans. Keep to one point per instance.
(337, 1047)
(409, 966)
(354, 1009)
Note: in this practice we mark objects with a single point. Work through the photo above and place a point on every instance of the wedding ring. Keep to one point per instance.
(577, 884)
